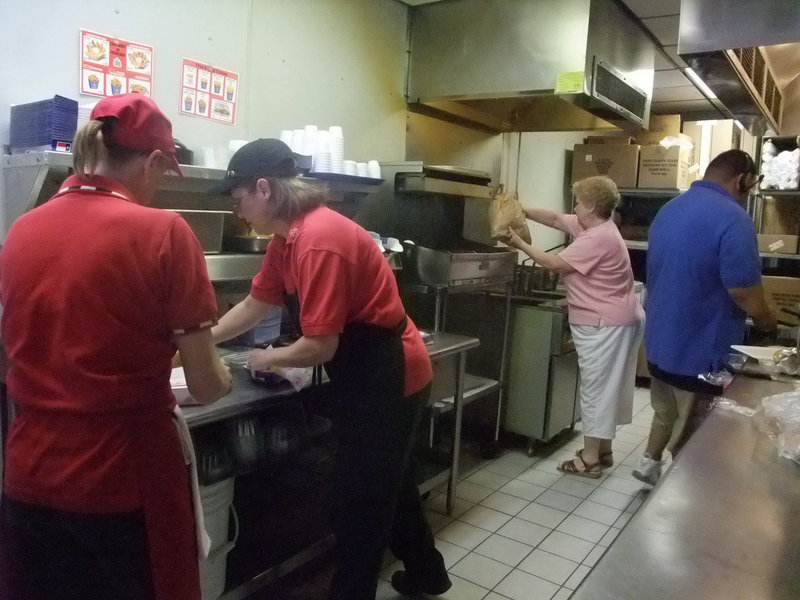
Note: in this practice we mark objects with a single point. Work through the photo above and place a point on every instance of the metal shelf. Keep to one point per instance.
(650, 192)
(474, 387)
(779, 193)
(782, 256)
(636, 245)
(233, 267)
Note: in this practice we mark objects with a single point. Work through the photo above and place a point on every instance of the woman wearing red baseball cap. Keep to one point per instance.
(98, 292)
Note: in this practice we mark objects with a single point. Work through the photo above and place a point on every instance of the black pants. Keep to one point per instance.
(377, 502)
(48, 554)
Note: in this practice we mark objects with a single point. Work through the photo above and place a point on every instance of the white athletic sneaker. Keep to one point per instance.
(648, 470)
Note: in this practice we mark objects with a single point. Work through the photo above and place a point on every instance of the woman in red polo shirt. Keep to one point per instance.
(352, 320)
(98, 291)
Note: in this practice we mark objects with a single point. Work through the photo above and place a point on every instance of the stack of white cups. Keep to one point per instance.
(297, 141)
(374, 169)
(321, 159)
(350, 167)
(309, 140)
(336, 146)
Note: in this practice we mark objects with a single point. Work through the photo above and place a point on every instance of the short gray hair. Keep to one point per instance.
(598, 192)
(291, 197)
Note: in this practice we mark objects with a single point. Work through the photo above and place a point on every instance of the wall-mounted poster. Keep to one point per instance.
(110, 66)
(209, 92)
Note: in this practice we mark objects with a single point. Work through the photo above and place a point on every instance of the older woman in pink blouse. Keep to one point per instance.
(605, 317)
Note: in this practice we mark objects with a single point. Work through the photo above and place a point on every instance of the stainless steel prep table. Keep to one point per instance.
(247, 397)
(723, 523)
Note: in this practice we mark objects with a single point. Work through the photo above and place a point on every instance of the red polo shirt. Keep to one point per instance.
(94, 286)
(340, 277)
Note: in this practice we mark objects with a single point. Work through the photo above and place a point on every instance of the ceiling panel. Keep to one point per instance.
(686, 92)
(673, 78)
(654, 8)
(661, 63)
(672, 51)
(703, 109)
(664, 28)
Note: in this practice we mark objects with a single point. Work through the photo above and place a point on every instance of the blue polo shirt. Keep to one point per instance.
(701, 244)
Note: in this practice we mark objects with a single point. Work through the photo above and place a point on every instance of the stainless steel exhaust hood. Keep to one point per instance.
(518, 65)
(747, 54)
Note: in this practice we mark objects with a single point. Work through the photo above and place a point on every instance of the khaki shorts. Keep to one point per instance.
(678, 413)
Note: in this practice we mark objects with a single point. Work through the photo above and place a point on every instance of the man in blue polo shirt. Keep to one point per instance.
(703, 279)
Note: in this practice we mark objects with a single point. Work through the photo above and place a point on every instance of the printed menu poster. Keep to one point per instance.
(110, 66)
(209, 92)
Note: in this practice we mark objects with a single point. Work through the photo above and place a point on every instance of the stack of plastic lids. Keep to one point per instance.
(44, 125)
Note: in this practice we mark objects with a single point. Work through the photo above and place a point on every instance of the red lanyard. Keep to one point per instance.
(93, 189)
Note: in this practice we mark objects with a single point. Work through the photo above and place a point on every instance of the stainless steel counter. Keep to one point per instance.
(248, 396)
(724, 523)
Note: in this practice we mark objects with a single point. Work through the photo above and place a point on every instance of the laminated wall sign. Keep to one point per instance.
(209, 92)
(110, 66)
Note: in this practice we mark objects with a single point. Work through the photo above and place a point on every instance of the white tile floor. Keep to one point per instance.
(521, 530)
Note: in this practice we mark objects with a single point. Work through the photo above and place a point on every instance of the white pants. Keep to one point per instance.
(607, 360)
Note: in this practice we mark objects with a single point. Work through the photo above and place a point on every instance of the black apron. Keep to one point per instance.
(367, 375)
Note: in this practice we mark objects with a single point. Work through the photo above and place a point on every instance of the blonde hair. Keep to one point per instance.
(598, 192)
(291, 197)
(89, 149)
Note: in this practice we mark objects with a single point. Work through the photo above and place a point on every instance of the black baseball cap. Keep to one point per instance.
(265, 157)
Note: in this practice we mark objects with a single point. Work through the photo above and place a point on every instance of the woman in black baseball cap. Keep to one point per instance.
(353, 322)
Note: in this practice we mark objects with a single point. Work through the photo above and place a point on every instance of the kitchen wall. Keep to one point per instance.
(545, 165)
(325, 62)
(437, 142)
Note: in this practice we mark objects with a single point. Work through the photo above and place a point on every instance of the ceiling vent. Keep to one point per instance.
(611, 88)
(519, 65)
(755, 72)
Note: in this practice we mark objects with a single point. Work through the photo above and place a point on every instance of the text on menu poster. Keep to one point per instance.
(110, 66)
(209, 92)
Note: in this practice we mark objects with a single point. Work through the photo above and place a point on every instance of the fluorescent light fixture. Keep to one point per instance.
(701, 85)
(739, 125)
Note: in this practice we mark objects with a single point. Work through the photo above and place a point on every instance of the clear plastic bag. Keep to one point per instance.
(728, 404)
(722, 378)
(782, 422)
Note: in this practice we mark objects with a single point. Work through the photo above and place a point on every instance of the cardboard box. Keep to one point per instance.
(608, 139)
(779, 217)
(665, 168)
(620, 162)
(666, 124)
(783, 292)
(779, 244)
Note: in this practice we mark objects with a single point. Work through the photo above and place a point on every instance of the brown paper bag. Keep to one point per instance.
(505, 211)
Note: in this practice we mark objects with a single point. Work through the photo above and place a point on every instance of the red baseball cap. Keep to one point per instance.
(140, 125)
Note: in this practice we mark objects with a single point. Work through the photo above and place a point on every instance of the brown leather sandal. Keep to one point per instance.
(570, 467)
(606, 458)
